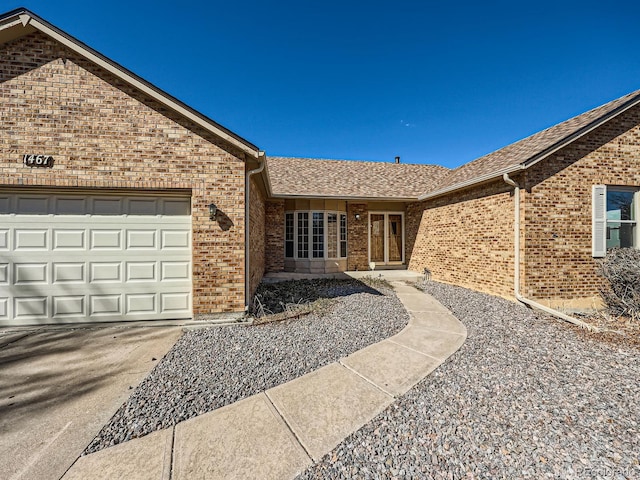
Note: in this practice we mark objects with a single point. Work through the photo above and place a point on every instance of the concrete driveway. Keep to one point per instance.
(58, 388)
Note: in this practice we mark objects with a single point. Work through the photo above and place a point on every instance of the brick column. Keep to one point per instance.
(357, 237)
(274, 236)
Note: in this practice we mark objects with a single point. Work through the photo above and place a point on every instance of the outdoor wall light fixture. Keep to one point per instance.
(213, 210)
(357, 216)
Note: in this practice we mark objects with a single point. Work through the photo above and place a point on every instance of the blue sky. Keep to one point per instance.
(432, 82)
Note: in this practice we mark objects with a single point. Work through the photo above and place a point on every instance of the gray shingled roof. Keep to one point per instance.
(526, 150)
(343, 178)
(350, 179)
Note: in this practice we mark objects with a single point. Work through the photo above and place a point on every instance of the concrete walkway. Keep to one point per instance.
(280, 432)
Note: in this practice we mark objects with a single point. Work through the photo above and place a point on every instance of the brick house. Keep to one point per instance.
(326, 216)
(574, 186)
(119, 202)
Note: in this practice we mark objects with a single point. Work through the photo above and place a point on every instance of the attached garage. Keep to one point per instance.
(83, 257)
(117, 201)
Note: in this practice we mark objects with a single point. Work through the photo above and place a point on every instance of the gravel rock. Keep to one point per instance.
(212, 367)
(526, 396)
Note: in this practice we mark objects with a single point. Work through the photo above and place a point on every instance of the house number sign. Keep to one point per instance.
(43, 161)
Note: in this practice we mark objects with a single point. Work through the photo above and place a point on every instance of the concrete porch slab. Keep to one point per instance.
(247, 439)
(388, 275)
(146, 458)
(391, 366)
(326, 405)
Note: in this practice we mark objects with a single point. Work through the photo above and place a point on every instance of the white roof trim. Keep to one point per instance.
(481, 179)
(535, 158)
(156, 94)
(348, 197)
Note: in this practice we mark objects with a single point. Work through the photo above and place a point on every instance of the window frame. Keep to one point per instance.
(600, 229)
(293, 234)
(309, 235)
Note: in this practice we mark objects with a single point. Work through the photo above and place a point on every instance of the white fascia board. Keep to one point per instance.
(140, 85)
(12, 23)
(474, 181)
(581, 133)
(350, 198)
(536, 158)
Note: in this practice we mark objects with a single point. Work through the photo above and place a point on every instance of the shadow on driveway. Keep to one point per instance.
(59, 387)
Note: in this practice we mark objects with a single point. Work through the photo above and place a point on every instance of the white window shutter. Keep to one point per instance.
(599, 220)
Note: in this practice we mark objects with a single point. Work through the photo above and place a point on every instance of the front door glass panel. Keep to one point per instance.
(377, 238)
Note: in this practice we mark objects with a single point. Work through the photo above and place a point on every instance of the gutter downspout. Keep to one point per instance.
(516, 274)
(247, 260)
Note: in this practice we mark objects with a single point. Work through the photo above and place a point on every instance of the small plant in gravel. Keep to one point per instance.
(621, 270)
(292, 298)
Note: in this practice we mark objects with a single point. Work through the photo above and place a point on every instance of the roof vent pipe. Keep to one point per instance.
(397, 159)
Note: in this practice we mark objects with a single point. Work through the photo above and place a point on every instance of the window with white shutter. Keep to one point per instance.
(599, 220)
(614, 218)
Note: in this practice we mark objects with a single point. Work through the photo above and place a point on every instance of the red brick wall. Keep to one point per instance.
(274, 236)
(357, 237)
(465, 238)
(256, 236)
(105, 134)
(558, 259)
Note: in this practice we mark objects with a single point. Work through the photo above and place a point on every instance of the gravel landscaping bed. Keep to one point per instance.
(526, 396)
(212, 367)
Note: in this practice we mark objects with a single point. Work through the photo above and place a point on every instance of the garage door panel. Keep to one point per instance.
(141, 239)
(31, 239)
(73, 258)
(105, 272)
(68, 239)
(176, 270)
(70, 206)
(68, 273)
(30, 273)
(107, 206)
(176, 239)
(141, 271)
(179, 207)
(143, 206)
(4, 239)
(141, 304)
(175, 302)
(36, 205)
(5, 204)
(106, 239)
(30, 307)
(105, 305)
(69, 306)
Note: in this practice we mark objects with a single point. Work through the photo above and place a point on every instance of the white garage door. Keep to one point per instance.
(78, 258)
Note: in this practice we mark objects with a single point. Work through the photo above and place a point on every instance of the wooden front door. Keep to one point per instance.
(394, 238)
(377, 238)
(386, 238)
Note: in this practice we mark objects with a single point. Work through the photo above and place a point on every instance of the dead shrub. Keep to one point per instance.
(621, 269)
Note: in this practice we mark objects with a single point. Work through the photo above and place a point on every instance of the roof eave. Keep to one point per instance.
(474, 181)
(537, 157)
(345, 197)
(581, 132)
(28, 19)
